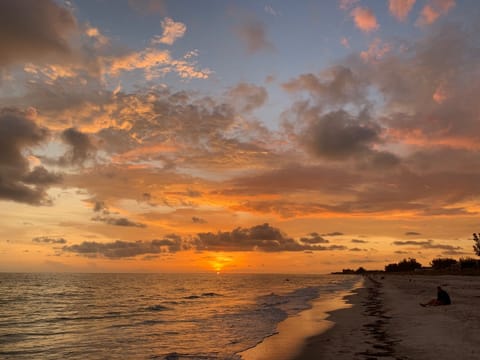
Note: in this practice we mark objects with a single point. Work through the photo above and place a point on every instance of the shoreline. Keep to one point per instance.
(292, 332)
(387, 322)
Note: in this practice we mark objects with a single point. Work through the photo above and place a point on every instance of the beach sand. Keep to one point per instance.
(387, 322)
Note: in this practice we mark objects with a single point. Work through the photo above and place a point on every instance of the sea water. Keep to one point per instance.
(150, 316)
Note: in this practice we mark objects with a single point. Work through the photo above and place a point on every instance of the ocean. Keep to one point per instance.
(153, 316)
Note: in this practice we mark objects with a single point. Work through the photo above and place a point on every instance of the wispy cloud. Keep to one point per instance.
(433, 10)
(49, 240)
(172, 31)
(253, 33)
(400, 8)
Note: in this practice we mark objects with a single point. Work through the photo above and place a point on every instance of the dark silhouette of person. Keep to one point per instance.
(442, 298)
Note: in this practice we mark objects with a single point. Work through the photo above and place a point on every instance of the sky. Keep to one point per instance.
(237, 136)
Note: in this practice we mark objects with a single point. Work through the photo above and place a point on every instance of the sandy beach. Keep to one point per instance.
(387, 322)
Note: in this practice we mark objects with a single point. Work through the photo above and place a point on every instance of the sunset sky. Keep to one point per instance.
(237, 136)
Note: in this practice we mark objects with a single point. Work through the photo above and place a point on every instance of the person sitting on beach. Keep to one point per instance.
(442, 298)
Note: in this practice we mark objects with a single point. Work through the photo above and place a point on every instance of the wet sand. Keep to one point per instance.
(387, 322)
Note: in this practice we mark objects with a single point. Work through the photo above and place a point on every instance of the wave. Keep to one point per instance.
(157, 308)
(203, 295)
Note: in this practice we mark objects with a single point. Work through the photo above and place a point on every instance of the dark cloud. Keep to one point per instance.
(253, 34)
(427, 244)
(198, 220)
(100, 206)
(81, 147)
(295, 177)
(248, 97)
(18, 133)
(31, 29)
(121, 221)
(335, 233)
(338, 135)
(314, 238)
(49, 240)
(356, 249)
(41, 176)
(125, 249)
(412, 233)
(261, 237)
(358, 241)
(337, 85)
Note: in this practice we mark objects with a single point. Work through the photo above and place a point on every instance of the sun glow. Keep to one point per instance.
(219, 262)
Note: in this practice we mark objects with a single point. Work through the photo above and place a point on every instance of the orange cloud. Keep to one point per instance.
(400, 8)
(95, 34)
(433, 10)
(156, 63)
(364, 19)
(171, 32)
(440, 94)
(142, 152)
(145, 59)
(376, 50)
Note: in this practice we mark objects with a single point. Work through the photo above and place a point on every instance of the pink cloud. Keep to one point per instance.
(440, 94)
(376, 50)
(344, 41)
(400, 8)
(364, 19)
(433, 10)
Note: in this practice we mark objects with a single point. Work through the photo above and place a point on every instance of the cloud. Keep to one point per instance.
(412, 233)
(30, 30)
(427, 244)
(155, 63)
(400, 8)
(314, 238)
(171, 32)
(433, 10)
(364, 19)
(359, 241)
(95, 34)
(345, 42)
(81, 147)
(197, 220)
(100, 206)
(335, 233)
(247, 97)
(253, 33)
(125, 249)
(336, 85)
(376, 50)
(258, 238)
(18, 134)
(347, 4)
(356, 249)
(41, 176)
(338, 135)
(148, 7)
(49, 240)
(121, 221)
(270, 10)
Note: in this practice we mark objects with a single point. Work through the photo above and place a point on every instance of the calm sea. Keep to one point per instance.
(150, 316)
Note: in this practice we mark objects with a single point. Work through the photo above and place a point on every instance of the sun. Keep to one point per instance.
(219, 262)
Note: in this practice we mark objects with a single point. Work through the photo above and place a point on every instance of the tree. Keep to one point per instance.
(404, 265)
(476, 246)
(442, 263)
